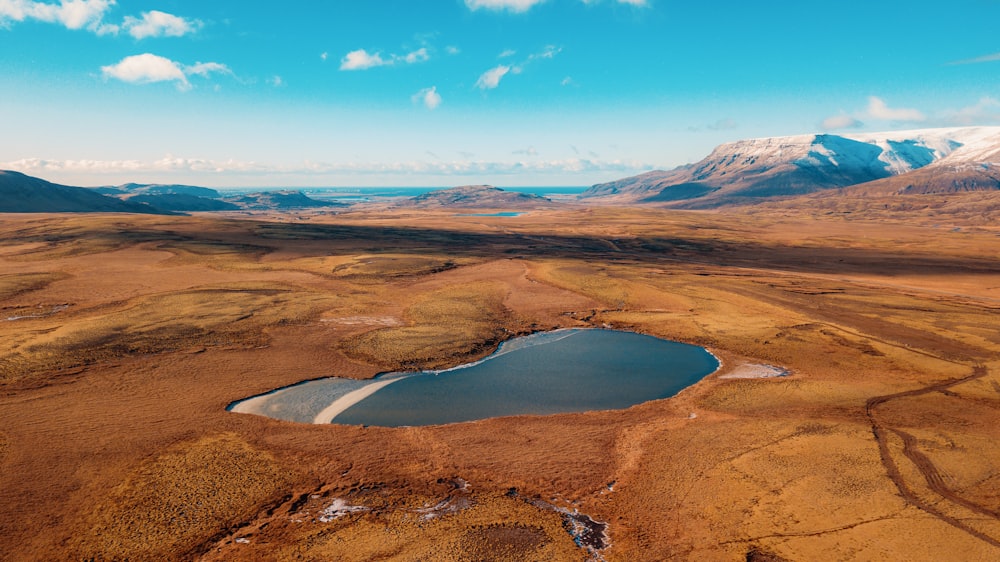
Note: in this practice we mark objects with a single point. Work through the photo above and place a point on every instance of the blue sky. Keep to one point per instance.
(451, 92)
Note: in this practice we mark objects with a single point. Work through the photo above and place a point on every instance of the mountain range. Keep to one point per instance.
(747, 171)
(20, 193)
(916, 162)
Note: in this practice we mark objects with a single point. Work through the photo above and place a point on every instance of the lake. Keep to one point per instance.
(572, 370)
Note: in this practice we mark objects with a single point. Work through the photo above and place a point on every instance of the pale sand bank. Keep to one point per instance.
(352, 398)
(755, 371)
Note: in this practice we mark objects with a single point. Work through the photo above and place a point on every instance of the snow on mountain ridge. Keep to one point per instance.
(758, 168)
(901, 151)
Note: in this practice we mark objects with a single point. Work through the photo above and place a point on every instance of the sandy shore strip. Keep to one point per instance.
(351, 398)
(755, 371)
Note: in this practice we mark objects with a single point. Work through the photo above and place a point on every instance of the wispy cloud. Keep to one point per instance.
(985, 111)
(723, 125)
(841, 121)
(490, 79)
(550, 51)
(159, 24)
(878, 109)
(530, 151)
(420, 55)
(977, 60)
(148, 68)
(209, 167)
(516, 6)
(521, 6)
(429, 97)
(363, 60)
(507, 53)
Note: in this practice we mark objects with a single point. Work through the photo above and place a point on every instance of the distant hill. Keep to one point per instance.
(278, 200)
(755, 170)
(182, 202)
(165, 189)
(481, 196)
(20, 193)
(190, 198)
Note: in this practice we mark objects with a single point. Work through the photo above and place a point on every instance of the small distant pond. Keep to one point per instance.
(500, 214)
(546, 373)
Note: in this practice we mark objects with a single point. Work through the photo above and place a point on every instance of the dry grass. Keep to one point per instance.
(172, 318)
(485, 528)
(460, 322)
(226, 315)
(172, 504)
(17, 284)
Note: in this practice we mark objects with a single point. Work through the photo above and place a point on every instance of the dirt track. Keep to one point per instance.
(930, 473)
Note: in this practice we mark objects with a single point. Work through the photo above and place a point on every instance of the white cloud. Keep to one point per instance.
(520, 6)
(324, 55)
(452, 50)
(147, 68)
(159, 24)
(177, 165)
(72, 14)
(530, 151)
(203, 69)
(878, 109)
(276, 81)
(429, 97)
(841, 121)
(986, 110)
(507, 53)
(89, 14)
(510, 5)
(566, 81)
(637, 3)
(363, 60)
(420, 55)
(491, 78)
(360, 60)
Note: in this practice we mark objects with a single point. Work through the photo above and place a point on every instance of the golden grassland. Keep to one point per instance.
(124, 338)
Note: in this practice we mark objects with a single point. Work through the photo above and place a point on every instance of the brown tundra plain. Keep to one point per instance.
(123, 339)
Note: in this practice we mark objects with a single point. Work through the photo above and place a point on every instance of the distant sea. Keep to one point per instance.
(354, 194)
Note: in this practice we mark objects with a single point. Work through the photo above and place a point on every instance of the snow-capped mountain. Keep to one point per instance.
(752, 169)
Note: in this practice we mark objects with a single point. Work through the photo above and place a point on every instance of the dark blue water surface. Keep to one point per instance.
(548, 373)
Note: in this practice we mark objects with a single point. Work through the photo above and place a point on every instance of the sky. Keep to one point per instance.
(354, 93)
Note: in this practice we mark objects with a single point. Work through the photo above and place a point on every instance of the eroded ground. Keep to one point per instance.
(124, 338)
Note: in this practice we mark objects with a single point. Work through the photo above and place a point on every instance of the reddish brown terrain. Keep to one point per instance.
(123, 338)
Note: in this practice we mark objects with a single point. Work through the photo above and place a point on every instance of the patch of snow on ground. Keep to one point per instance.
(338, 509)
